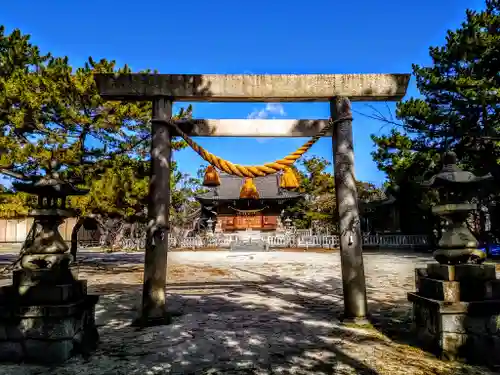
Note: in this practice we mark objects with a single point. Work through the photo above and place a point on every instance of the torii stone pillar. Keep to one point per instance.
(155, 262)
(351, 254)
(163, 89)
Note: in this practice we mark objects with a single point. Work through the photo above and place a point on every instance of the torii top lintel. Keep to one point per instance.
(253, 87)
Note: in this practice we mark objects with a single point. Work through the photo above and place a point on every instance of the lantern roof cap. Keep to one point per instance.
(452, 174)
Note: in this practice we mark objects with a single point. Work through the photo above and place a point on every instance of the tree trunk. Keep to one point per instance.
(74, 237)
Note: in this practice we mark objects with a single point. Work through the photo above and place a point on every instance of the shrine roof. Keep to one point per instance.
(230, 186)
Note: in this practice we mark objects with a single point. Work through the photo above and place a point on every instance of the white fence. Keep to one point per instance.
(300, 241)
(396, 240)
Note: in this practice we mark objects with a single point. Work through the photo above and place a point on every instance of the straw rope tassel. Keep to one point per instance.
(249, 190)
(289, 179)
(254, 170)
(211, 178)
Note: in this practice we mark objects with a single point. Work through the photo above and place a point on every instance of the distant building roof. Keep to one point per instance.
(230, 186)
(385, 199)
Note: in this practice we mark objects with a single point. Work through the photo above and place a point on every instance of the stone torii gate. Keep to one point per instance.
(337, 89)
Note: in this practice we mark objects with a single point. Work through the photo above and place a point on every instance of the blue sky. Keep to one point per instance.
(194, 36)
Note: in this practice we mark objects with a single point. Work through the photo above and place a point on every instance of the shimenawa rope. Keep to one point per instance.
(253, 171)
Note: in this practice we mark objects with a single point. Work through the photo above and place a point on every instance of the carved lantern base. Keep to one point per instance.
(456, 311)
(46, 315)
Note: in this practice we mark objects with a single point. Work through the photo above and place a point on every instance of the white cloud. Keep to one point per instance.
(270, 109)
(275, 109)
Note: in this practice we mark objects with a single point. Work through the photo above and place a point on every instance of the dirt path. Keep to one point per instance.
(253, 313)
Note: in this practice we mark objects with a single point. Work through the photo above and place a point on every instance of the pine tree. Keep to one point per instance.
(459, 109)
(50, 111)
(318, 188)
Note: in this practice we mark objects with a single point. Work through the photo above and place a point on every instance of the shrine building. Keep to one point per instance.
(239, 204)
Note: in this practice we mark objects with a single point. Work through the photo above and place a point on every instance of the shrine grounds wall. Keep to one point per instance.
(14, 230)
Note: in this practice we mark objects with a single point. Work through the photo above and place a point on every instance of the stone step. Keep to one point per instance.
(459, 272)
(456, 291)
(23, 277)
(43, 294)
(249, 247)
(47, 334)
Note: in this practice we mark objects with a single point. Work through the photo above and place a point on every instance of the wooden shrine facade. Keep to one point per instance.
(223, 204)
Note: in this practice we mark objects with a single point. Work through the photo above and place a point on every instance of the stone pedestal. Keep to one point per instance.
(46, 317)
(456, 311)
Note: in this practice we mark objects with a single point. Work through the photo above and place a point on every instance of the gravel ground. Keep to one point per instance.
(252, 313)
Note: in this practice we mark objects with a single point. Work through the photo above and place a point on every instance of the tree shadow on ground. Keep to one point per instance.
(224, 331)
(258, 324)
(270, 327)
(275, 325)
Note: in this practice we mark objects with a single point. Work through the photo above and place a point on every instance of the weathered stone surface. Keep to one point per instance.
(475, 348)
(44, 328)
(454, 291)
(476, 290)
(419, 272)
(43, 293)
(441, 271)
(453, 323)
(492, 289)
(461, 323)
(44, 276)
(48, 333)
(50, 260)
(54, 311)
(493, 325)
(426, 325)
(475, 272)
(36, 351)
(474, 308)
(254, 128)
(254, 87)
(452, 345)
(48, 341)
(459, 318)
(447, 291)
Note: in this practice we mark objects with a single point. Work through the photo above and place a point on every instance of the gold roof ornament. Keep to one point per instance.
(249, 190)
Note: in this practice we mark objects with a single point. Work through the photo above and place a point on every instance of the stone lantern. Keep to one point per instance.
(210, 226)
(46, 314)
(457, 244)
(456, 307)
